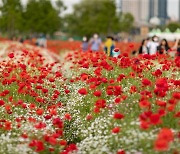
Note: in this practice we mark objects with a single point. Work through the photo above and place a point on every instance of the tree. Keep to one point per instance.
(126, 21)
(96, 16)
(173, 26)
(11, 17)
(92, 16)
(41, 17)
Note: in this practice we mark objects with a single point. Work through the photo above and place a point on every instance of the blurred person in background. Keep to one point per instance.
(144, 48)
(153, 44)
(176, 47)
(109, 46)
(163, 47)
(42, 41)
(20, 39)
(116, 52)
(84, 45)
(95, 43)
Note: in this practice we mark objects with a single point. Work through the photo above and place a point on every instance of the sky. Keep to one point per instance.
(173, 7)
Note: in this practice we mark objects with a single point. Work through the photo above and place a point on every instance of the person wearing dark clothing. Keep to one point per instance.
(143, 48)
(163, 47)
(84, 44)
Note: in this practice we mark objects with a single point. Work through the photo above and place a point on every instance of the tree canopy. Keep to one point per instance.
(11, 16)
(39, 16)
(97, 16)
(173, 26)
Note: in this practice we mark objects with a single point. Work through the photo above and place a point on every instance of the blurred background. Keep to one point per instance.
(126, 20)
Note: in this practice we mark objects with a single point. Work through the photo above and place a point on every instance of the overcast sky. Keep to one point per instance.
(173, 7)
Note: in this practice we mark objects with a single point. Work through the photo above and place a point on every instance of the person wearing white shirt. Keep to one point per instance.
(153, 44)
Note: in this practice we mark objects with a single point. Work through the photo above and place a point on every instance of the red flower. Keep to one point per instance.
(89, 117)
(144, 125)
(116, 50)
(97, 93)
(101, 103)
(52, 140)
(146, 82)
(39, 111)
(161, 145)
(155, 119)
(11, 55)
(177, 115)
(63, 142)
(116, 130)
(38, 144)
(118, 116)
(2, 102)
(117, 100)
(67, 116)
(71, 147)
(161, 103)
(82, 91)
(165, 134)
(176, 95)
(67, 91)
(58, 122)
(131, 45)
(144, 104)
(121, 152)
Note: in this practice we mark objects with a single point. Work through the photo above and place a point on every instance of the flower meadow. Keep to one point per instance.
(87, 103)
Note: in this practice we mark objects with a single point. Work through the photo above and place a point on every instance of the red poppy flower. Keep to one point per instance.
(144, 104)
(2, 102)
(89, 117)
(116, 130)
(176, 95)
(82, 91)
(166, 134)
(161, 145)
(116, 50)
(11, 55)
(121, 152)
(63, 142)
(118, 116)
(67, 116)
(97, 93)
(101, 103)
(155, 119)
(39, 111)
(146, 82)
(161, 103)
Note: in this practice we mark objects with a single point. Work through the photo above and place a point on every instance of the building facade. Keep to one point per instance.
(144, 10)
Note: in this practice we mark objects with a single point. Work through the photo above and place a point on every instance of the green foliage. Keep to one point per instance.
(39, 16)
(11, 16)
(97, 16)
(173, 26)
(42, 17)
(126, 22)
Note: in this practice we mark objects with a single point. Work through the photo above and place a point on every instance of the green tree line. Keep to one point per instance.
(41, 16)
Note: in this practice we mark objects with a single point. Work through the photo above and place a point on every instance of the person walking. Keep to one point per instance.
(84, 45)
(109, 46)
(95, 43)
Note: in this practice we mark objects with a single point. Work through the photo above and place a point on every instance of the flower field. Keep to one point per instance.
(87, 103)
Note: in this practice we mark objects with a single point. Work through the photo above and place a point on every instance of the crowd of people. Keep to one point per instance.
(40, 41)
(149, 46)
(153, 45)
